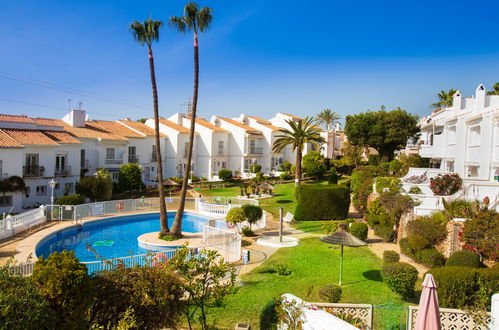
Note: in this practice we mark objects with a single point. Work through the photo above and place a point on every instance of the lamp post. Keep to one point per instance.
(52, 184)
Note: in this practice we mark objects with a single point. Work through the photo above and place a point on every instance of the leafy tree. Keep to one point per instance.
(130, 177)
(481, 234)
(385, 131)
(235, 215)
(208, 281)
(252, 213)
(142, 120)
(65, 283)
(445, 99)
(145, 34)
(352, 155)
(96, 187)
(328, 118)
(495, 91)
(255, 168)
(299, 133)
(196, 20)
(313, 164)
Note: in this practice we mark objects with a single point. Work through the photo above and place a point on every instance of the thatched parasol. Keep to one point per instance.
(342, 237)
(169, 182)
(266, 186)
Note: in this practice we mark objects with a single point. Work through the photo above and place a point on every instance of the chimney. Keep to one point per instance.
(480, 98)
(457, 101)
(76, 118)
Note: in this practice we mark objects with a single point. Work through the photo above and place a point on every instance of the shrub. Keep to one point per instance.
(415, 190)
(405, 247)
(98, 187)
(445, 184)
(455, 286)
(313, 164)
(488, 284)
(21, 305)
(395, 167)
(282, 269)
(333, 177)
(268, 316)
(430, 258)
(401, 278)
(385, 232)
(252, 213)
(65, 283)
(429, 229)
(235, 215)
(481, 234)
(70, 200)
(322, 202)
(390, 183)
(418, 243)
(330, 227)
(390, 256)
(255, 168)
(130, 177)
(285, 166)
(330, 293)
(154, 294)
(247, 231)
(285, 176)
(359, 230)
(463, 258)
(374, 159)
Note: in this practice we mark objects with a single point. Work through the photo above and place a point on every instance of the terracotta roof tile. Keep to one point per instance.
(248, 129)
(7, 141)
(61, 137)
(16, 119)
(115, 128)
(292, 116)
(49, 122)
(265, 123)
(138, 126)
(30, 137)
(174, 126)
(207, 124)
(91, 131)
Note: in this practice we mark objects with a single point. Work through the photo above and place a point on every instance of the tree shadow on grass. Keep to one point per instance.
(284, 201)
(373, 275)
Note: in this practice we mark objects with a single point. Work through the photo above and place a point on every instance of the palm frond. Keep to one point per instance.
(146, 32)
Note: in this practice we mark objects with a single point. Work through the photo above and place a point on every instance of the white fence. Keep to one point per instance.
(454, 319)
(220, 206)
(228, 243)
(13, 224)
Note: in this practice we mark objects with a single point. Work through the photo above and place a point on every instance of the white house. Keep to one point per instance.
(462, 139)
(211, 148)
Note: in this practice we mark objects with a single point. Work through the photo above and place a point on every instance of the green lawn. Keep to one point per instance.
(313, 227)
(313, 265)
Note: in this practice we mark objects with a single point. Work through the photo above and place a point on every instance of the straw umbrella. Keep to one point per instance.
(266, 186)
(342, 237)
(428, 311)
(170, 182)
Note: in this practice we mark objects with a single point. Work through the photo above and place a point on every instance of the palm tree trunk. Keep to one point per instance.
(177, 224)
(298, 167)
(163, 217)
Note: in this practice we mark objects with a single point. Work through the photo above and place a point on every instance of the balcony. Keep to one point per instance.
(133, 159)
(66, 171)
(115, 161)
(33, 171)
(255, 151)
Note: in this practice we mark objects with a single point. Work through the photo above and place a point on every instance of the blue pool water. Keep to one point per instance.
(112, 238)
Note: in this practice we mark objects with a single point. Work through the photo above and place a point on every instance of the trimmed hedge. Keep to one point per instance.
(401, 278)
(405, 248)
(70, 200)
(390, 256)
(322, 202)
(427, 228)
(462, 287)
(330, 293)
(418, 243)
(430, 258)
(463, 258)
(359, 230)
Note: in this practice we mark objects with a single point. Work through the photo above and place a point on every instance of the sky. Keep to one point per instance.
(258, 58)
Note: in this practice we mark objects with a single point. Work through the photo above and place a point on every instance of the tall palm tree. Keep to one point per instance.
(196, 20)
(495, 91)
(299, 133)
(328, 118)
(146, 33)
(444, 99)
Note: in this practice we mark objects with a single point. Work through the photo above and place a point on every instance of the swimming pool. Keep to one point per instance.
(112, 237)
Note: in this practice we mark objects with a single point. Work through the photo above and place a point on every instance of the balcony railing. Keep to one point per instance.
(33, 171)
(115, 161)
(256, 151)
(66, 171)
(133, 159)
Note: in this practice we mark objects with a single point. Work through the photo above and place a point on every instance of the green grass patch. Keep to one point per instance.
(313, 264)
(313, 227)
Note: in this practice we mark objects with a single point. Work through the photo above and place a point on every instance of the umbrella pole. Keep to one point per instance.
(341, 263)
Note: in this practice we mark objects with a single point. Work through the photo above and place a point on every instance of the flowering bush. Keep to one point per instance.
(445, 185)
(481, 235)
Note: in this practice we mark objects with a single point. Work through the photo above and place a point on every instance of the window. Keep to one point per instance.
(31, 159)
(474, 136)
(27, 191)
(220, 147)
(57, 186)
(60, 163)
(153, 156)
(5, 201)
(450, 166)
(82, 158)
(41, 190)
(115, 176)
(473, 171)
(68, 188)
(132, 154)
(451, 135)
(223, 165)
(110, 153)
(186, 148)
